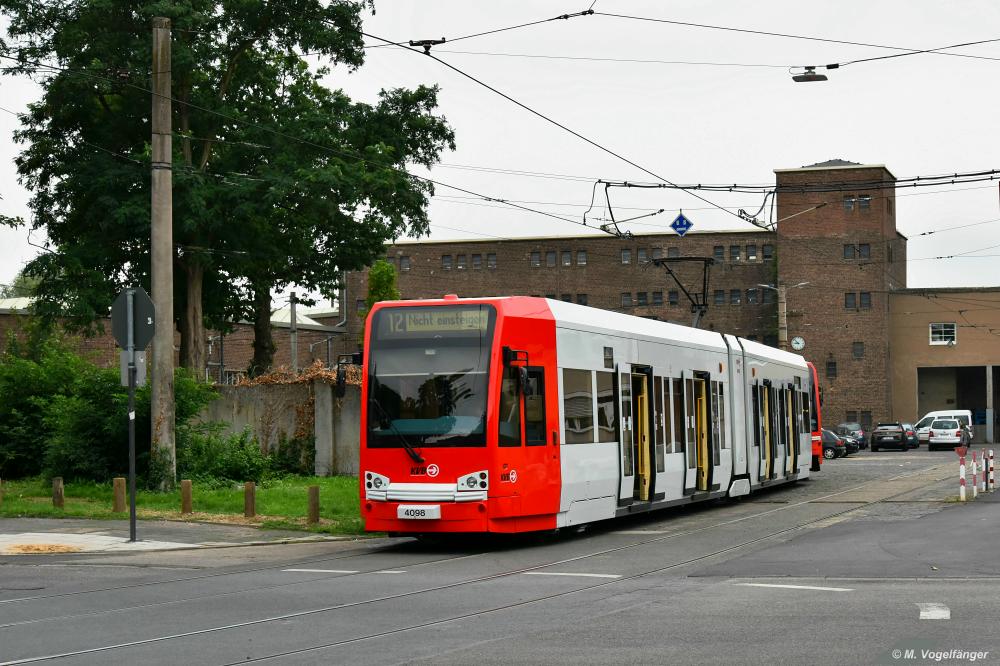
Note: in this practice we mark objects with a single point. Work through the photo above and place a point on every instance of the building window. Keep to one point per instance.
(626, 299)
(864, 202)
(640, 298)
(771, 339)
(850, 252)
(491, 260)
(944, 333)
(734, 296)
(866, 300)
(888, 206)
(581, 257)
(831, 369)
(657, 253)
(751, 252)
(849, 203)
(446, 262)
(769, 296)
(550, 258)
(768, 252)
(673, 297)
(460, 262)
(552, 296)
(752, 297)
(734, 252)
(477, 262)
(404, 263)
(850, 300)
(567, 258)
(752, 337)
(360, 304)
(720, 297)
(866, 420)
(581, 299)
(673, 252)
(657, 298)
(852, 416)
(888, 253)
(626, 256)
(719, 253)
(864, 251)
(643, 256)
(858, 349)
(536, 259)
(567, 298)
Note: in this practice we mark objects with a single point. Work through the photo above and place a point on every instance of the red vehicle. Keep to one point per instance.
(816, 418)
(520, 414)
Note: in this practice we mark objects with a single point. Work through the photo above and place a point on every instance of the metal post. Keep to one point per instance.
(293, 330)
(782, 317)
(961, 478)
(975, 484)
(162, 258)
(328, 340)
(993, 478)
(130, 350)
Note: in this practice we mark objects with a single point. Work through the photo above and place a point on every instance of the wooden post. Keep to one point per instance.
(185, 496)
(249, 499)
(58, 495)
(118, 501)
(313, 505)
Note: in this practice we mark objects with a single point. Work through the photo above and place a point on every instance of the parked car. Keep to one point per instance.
(963, 416)
(853, 430)
(912, 441)
(946, 433)
(889, 434)
(851, 445)
(833, 445)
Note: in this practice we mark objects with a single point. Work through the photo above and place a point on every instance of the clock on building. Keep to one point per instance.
(798, 344)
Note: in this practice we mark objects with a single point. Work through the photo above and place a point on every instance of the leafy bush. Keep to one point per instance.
(207, 455)
(64, 416)
(294, 456)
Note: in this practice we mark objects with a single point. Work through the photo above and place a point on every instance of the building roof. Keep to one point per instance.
(14, 304)
(831, 163)
(584, 236)
(836, 164)
(928, 291)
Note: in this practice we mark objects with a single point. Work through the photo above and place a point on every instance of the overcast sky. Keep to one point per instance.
(725, 123)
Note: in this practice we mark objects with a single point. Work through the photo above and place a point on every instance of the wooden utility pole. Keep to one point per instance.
(162, 260)
(294, 333)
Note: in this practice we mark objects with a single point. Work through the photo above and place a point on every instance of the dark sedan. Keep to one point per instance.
(912, 439)
(889, 434)
(833, 445)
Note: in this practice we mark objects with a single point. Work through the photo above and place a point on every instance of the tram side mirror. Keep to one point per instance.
(341, 389)
(522, 380)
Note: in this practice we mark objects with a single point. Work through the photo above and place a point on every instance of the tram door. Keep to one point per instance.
(697, 417)
(766, 432)
(636, 444)
(791, 414)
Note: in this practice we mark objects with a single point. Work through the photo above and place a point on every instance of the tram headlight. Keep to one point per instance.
(377, 482)
(475, 481)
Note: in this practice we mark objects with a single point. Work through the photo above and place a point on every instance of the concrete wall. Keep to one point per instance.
(296, 410)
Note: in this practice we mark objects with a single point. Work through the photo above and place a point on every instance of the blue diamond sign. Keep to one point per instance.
(681, 224)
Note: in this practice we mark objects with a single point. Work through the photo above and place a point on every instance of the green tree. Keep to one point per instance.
(277, 178)
(381, 284)
(22, 286)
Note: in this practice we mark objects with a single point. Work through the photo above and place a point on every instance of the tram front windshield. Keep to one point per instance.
(428, 371)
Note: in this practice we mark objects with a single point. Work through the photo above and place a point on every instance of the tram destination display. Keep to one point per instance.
(453, 321)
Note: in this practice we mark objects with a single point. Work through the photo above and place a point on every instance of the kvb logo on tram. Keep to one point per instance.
(422, 470)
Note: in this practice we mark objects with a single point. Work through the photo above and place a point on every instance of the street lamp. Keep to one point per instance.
(783, 310)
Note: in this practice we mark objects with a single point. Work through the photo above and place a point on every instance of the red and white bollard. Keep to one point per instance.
(975, 483)
(961, 476)
(993, 480)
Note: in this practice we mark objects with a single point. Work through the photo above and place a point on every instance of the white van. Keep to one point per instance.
(963, 416)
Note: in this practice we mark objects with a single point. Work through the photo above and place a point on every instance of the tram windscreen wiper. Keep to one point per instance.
(412, 452)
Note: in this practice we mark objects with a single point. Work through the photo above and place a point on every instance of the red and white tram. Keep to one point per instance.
(518, 414)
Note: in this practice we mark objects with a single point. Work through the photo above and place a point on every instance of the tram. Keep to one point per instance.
(518, 414)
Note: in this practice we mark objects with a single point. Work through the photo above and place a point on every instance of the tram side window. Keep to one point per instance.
(722, 416)
(607, 416)
(510, 410)
(578, 406)
(658, 422)
(678, 416)
(756, 414)
(534, 408)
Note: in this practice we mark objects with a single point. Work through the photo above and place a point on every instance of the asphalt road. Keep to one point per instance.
(869, 557)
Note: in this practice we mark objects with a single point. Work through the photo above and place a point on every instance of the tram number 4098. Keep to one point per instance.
(418, 512)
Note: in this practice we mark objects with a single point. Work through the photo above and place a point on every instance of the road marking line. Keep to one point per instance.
(389, 572)
(934, 611)
(639, 532)
(343, 571)
(558, 573)
(799, 587)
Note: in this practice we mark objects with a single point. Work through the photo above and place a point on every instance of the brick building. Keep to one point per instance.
(835, 251)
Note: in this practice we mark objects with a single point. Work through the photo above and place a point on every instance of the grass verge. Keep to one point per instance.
(280, 503)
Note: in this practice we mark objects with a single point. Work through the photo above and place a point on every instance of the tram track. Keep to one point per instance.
(856, 505)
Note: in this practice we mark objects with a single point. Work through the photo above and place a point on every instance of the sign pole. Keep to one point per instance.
(130, 350)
